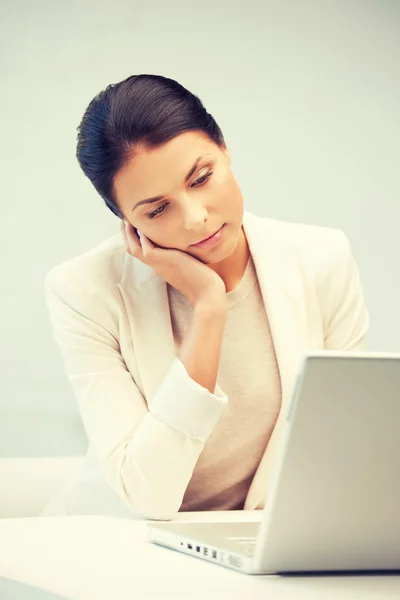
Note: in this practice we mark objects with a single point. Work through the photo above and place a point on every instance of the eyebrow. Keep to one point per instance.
(157, 198)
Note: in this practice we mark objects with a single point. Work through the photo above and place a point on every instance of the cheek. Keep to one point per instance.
(163, 241)
(231, 196)
(227, 183)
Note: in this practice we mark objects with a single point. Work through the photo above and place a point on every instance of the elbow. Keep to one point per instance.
(145, 500)
(150, 494)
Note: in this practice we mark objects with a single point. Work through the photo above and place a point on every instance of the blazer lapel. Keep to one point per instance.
(281, 286)
(146, 298)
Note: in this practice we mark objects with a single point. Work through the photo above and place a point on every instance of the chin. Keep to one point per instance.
(220, 256)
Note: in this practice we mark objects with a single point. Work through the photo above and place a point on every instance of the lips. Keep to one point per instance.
(210, 236)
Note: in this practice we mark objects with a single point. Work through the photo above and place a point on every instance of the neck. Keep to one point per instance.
(231, 269)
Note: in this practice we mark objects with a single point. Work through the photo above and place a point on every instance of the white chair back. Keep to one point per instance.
(27, 484)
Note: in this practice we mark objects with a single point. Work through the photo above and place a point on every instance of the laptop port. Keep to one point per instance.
(197, 548)
(214, 554)
(205, 551)
(190, 546)
(235, 561)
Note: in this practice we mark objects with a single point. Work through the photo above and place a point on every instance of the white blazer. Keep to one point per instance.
(146, 420)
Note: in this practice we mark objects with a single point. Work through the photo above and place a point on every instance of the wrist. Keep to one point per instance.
(212, 304)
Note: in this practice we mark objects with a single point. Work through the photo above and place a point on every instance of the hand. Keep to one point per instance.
(187, 274)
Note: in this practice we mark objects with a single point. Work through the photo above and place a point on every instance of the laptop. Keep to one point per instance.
(333, 502)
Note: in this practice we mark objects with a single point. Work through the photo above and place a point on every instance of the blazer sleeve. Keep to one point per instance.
(345, 316)
(148, 453)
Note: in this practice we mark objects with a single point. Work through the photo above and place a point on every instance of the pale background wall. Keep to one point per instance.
(307, 94)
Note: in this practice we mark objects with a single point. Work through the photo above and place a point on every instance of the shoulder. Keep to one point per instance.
(306, 238)
(325, 259)
(94, 273)
(317, 249)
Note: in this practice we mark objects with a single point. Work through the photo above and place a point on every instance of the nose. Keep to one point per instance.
(194, 215)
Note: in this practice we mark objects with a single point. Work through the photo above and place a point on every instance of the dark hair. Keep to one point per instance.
(143, 110)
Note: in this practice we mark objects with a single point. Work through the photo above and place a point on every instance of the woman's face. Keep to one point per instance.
(196, 196)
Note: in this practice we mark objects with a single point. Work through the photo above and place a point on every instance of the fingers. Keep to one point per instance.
(123, 234)
(135, 242)
(130, 239)
(147, 245)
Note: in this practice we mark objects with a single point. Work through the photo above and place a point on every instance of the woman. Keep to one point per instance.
(182, 356)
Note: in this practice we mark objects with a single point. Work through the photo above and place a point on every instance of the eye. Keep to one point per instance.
(204, 178)
(155, 212)
(201, 180)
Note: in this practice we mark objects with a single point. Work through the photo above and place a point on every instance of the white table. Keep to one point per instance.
(109, 558)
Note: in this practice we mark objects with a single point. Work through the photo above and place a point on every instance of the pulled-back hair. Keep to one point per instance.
(141, 111)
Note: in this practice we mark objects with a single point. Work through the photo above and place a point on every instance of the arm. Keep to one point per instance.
(147, 452)
(201, 348)
(346, 318)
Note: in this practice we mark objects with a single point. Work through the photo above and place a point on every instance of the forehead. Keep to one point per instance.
(149, 171)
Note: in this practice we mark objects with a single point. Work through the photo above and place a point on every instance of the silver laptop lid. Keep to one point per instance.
(334, 498)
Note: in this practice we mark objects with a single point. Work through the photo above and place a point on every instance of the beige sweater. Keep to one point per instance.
(225, 469)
